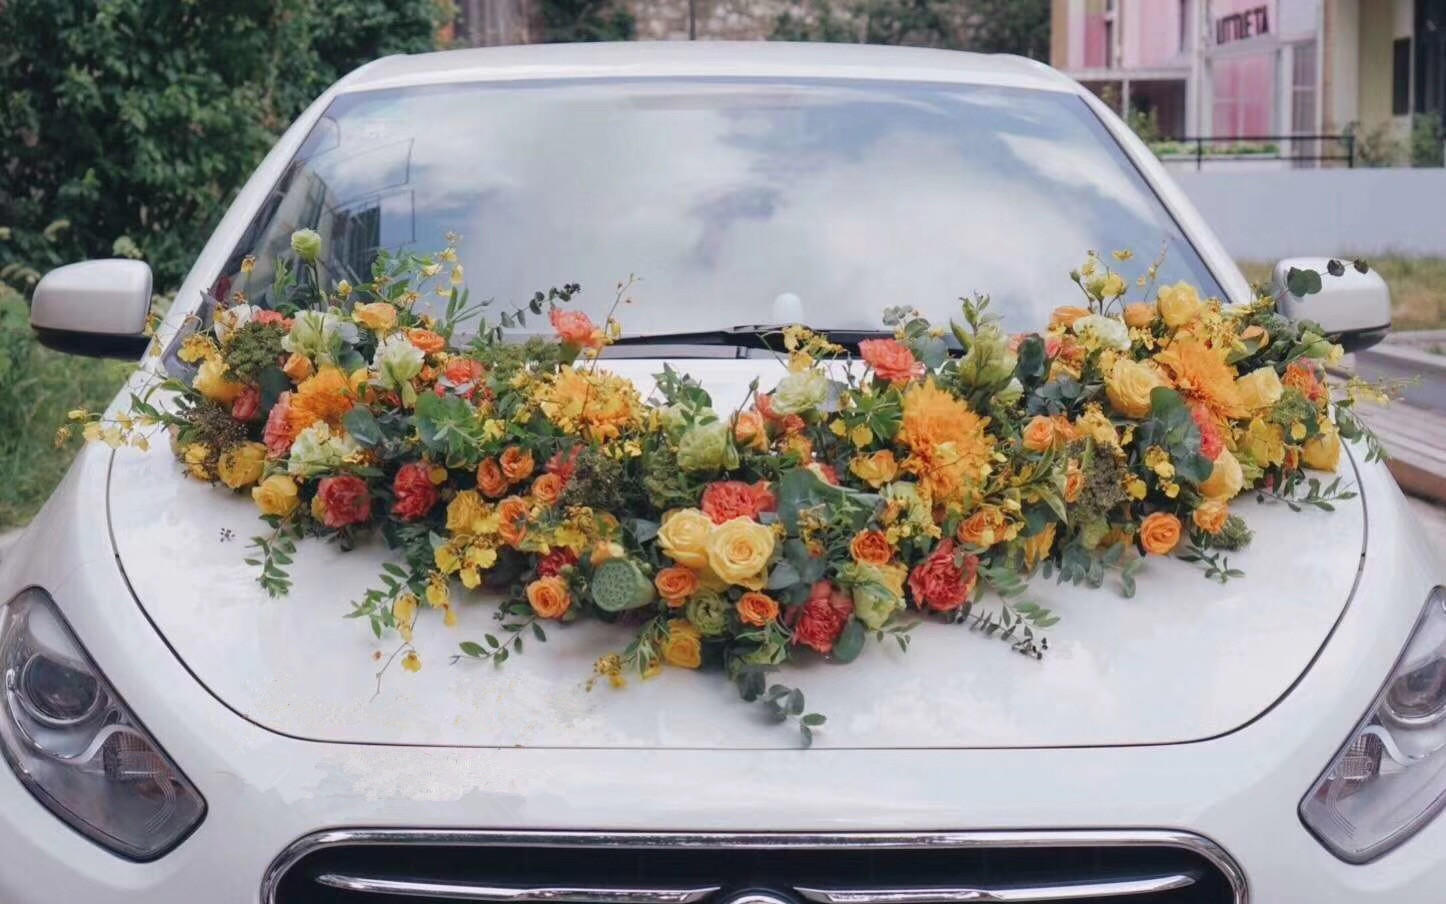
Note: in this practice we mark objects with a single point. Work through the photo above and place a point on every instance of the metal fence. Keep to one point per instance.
(1296, 149)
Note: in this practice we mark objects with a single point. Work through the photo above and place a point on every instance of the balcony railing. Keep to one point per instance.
(1298, 149)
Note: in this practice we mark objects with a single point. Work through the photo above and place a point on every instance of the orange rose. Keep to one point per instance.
(1160, 533)
(512, 512)
(547, 489)
(297, 367)
(426, 340)
(1073, 481)
(490, 480)
(549, 597)
(757, 609)
(516, 464)
(876, 469)
(871, 547)
(984, 528)
(1211, 515)
(1039, 434)
(675, 584)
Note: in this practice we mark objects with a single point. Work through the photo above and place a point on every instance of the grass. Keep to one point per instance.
(37, 388)
(1418, 288)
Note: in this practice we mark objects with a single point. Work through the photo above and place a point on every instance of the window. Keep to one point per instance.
(1302, 88)
(1401, 77)
(1184, 22)
(721, 194)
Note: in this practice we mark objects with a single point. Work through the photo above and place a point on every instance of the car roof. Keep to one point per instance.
(683, 59)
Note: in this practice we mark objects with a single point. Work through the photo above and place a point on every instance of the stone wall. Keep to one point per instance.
(716, 20)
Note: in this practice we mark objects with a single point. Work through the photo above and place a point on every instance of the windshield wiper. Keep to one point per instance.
(767, 336)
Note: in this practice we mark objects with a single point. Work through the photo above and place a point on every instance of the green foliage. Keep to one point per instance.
(37, 388)
(133, 122)
(565, 21)
(1426, 140)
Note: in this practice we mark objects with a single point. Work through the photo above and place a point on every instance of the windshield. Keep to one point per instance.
(720, 196)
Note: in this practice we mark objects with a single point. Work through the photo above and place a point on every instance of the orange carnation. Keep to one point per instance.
(576, 328)
(1160, 533)
(549, 597)
(426, 340)
(757, 609)
(516, 464)
(675, 584)
(871, 547)
(891, 360)
(490, 480)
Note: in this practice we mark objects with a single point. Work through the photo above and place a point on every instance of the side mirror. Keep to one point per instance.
(97, 308)
(1354, 308)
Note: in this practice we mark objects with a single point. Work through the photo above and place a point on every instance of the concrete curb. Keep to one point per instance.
(1400, 361)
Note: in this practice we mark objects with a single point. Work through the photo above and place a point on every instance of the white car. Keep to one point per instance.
(173, 735)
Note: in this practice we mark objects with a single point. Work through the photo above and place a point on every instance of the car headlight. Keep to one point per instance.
(77, 747)
(1390, 778)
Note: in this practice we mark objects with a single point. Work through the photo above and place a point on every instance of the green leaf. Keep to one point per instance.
(851, 642)
(1301, 283)
(471, 649)
(363, 426)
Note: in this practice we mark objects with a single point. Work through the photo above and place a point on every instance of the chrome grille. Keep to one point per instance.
(412, 867)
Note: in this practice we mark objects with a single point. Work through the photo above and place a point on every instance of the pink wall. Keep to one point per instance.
(1154, 32)
(1243, 88)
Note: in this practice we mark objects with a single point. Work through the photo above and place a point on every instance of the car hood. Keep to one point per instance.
(1185, 659)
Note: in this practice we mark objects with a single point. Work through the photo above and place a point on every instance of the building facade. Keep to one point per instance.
(1252, 68)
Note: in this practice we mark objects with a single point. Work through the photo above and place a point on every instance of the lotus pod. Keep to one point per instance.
(619, 584)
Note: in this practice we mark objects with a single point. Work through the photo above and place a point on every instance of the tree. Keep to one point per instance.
(988, 26)
(586, 20)
(130, 124)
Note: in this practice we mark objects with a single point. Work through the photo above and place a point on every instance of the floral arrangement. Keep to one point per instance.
(847, 502)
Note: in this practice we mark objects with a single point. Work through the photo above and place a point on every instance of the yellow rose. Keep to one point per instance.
(684, 536)
(739, 550)
(1260, 388)
(1139, 315)
(211, 382)
(1179, 304)
(1324, 451)
(1263, 443)
(240, 466)
(1225, 478)
(1037, 547)
(276, 495)
(683, 647)
(468, 514)
(1128, 386)
(1211, 515)
(877, 469)
(379, 316)
(197, 458)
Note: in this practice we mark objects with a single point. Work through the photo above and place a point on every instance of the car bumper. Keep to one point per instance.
(266, 791)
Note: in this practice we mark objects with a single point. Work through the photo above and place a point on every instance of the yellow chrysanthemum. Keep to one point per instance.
(1200, 373)
(951, 452)
(597, 404)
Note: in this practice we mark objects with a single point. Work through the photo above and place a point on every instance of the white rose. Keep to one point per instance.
(397, 361)
(1107, 332)
(231, 319)
(319, 335)
(801, 392)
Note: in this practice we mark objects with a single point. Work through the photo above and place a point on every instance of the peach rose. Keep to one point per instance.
(871, 547)
(750, 431)
(757, 609)
(1073, 481)
(1064, 317)
(549, 597)
(675, 584)
(1211, 515)
(982, 529)
(297, 367)
(1160, 533)
(1139, 315)
(1039, 433)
